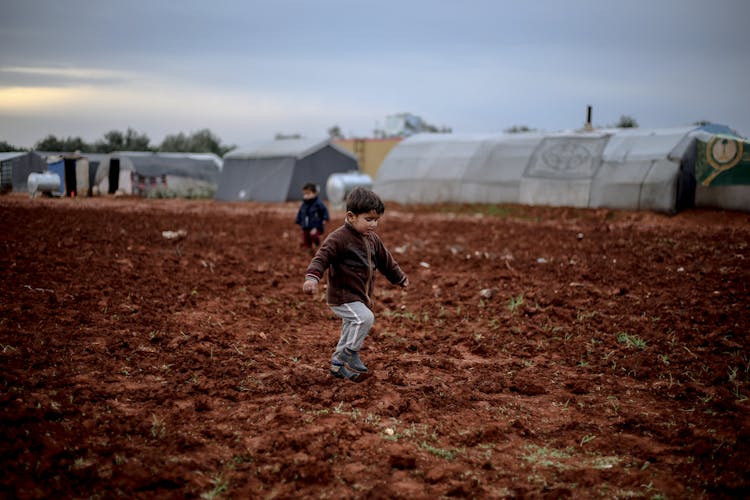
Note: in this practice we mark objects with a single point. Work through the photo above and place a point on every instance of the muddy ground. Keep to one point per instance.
(540, 352)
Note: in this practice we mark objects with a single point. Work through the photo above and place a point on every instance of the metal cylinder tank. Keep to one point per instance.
(45, 182)
(339, 185)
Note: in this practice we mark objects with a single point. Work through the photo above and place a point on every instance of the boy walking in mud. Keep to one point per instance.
(351, 254)
(311, 217)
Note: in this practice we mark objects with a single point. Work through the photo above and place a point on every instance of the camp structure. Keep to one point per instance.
(370, 153)
(183, 175)
(74, 171)
(722, 172)
(637, 169)
(276, 170)
(15, 168)
(56, 163)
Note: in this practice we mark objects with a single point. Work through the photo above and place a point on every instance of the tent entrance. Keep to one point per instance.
(114, 175)
(70, 177)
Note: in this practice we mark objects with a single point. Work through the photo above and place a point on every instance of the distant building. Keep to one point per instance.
(404, 125)
(370, 153)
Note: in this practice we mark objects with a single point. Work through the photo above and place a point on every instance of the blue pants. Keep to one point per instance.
(356, 322)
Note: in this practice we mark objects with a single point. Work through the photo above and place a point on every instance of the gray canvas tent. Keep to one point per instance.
(15, 168)
(277, 170)
(142, 173)
(638, 169)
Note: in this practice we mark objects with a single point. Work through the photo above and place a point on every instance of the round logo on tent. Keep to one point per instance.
(724, 152)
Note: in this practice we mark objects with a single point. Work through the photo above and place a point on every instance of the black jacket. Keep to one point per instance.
(312, 214)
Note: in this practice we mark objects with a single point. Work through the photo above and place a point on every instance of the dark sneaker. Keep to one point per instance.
(338, 370)
(351, 358)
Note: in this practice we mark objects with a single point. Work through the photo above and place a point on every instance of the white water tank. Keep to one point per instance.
(339, 185)
(45, 182)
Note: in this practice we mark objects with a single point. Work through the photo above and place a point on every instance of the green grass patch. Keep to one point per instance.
(633, 341)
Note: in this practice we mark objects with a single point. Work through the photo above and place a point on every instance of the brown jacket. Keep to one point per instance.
(351, 259)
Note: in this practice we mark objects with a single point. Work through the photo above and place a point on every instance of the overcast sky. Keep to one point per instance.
(248, 69)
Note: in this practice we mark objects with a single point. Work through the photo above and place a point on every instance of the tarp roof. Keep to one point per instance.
(192, 156)
(52, 155)
(153, 165)
(285, 148)
(12, 154)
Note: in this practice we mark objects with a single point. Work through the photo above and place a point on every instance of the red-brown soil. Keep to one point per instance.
(539, 352)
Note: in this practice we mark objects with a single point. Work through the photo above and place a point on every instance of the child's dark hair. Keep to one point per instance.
(313, 188)
(362, 200)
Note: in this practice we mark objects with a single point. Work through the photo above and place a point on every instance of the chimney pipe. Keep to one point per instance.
(588, 125)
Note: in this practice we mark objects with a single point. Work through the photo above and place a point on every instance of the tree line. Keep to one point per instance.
(202, 141)
(205, 141)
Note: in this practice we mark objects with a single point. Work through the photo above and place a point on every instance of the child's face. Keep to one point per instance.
(308, 195)
(364, 223)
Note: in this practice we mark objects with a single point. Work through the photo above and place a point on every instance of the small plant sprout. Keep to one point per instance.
(581, 315)
(614, 403)
(587, 439)
(631, 340)
(440, 452)
(354, 414)
(158, 430)
(6, 348)
(220, 486)
(372, 419)
(514, 303)
(739, 396)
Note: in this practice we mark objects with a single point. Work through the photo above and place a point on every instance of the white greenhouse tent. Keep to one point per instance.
(276, 170)
(637, 169)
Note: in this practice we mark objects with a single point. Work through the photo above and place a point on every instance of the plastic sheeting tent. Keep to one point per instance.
(15, 168)
(142, 173)
(639, 169)
(276, 170)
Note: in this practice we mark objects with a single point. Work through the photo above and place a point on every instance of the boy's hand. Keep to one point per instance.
(405, 283)
(310, 286)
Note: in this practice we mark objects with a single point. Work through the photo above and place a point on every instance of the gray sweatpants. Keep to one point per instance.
(356, 321)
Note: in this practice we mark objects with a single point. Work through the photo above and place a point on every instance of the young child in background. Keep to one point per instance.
(311, 217)
(351, 254)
